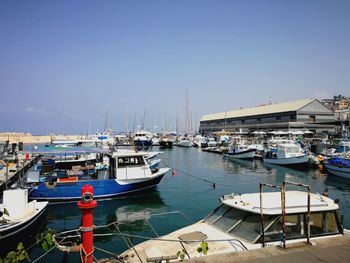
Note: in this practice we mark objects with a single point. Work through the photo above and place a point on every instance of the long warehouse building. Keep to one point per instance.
(303, 114)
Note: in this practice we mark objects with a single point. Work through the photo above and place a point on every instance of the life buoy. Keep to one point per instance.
(50, 185)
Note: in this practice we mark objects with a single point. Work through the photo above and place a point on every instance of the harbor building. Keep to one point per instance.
(304, 114)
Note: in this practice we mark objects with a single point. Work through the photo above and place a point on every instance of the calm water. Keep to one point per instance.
(182, 192)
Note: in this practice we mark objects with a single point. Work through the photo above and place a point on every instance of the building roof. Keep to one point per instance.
(296, 202)
(259, 110)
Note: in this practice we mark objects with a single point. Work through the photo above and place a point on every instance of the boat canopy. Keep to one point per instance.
(288, 148)
(67, 151)
(296, 202)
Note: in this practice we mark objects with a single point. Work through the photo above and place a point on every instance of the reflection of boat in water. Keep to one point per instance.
(241, 223)
(340, 183)
(251, 165)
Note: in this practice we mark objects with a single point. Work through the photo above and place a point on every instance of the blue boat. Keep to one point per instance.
(128, 172)
(338, 166)
(143, 139)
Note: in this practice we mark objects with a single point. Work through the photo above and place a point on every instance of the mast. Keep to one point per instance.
(106, 121)
(143, 120)
(187, 114)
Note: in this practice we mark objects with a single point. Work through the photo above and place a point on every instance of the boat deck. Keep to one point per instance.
(335, 250)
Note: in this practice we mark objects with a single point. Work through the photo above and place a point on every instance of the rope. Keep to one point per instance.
(196, 177)
(82, 250)
(107, 252)
(43, 255)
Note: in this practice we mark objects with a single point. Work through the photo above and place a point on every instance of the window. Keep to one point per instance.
(130, 161)
(295, 228)
(217, 213)
(250, 228)
(229, 219)
(312, 118)
(323, 223)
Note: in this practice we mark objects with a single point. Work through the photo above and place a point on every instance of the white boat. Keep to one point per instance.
(287, 155)
(185, 142)
(241, 151)
(212, 142)
(198, 140)
(236, 226)
(338, 166)
(17, 214)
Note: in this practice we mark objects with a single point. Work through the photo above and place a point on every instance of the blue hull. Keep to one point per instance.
(103, 189)
(143, 143)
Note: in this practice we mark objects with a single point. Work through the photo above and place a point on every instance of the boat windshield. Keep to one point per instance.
(247, 226)
(240, 223)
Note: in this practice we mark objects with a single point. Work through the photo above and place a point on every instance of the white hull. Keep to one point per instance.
(185, 144)
(14, 227)
(339, 171)
(243, 155)
(297, 160)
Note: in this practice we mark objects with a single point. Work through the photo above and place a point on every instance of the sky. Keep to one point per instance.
(65, 64)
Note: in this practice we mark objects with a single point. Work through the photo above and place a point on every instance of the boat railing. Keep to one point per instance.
(283, 206)
(308, 204)
(65, 239)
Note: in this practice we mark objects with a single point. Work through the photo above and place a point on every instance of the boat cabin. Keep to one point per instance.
(285, 151)
(126, 165)
(239, 216)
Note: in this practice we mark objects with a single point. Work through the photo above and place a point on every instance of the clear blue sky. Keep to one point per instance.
(63, 63)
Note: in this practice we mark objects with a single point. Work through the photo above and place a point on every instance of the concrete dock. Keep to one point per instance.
(330, 250)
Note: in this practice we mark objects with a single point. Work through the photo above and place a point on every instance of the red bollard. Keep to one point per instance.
(87, 204)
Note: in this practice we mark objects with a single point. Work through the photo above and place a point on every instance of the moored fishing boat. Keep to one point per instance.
(247, 222)
(143, 139)
(185, 142)
(17, 214)
(128, 172)
(241, 151)
(338, 166)
(291, 155)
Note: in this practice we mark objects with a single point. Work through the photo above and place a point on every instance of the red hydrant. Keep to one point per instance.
(87, 204)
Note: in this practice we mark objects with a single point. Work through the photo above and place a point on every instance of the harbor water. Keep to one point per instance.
(181, 191)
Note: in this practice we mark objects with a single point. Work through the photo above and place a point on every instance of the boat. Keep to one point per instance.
(241, 151)
(184, 142)
(236, 225)
(17, 214)
(128, 172)
(165, 141)
(198, 140)
(287, 154)
(143, 138)
(338, 166)
(212, 143)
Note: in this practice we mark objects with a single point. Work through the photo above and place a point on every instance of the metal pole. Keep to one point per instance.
(283, 208)
(262, 217)
(7, 174)
(308, 207)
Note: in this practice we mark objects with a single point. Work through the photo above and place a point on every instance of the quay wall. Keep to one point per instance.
(16, 137)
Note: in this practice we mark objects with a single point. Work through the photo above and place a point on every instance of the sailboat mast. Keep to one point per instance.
(187, 114)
